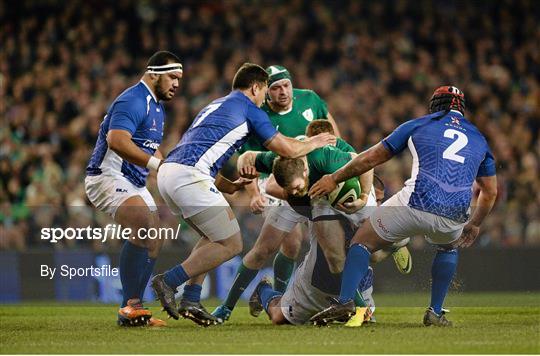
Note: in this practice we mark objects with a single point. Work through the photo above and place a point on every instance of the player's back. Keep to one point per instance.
(448, 154)
(218, 131)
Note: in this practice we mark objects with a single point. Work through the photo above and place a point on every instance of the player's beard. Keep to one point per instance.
(161, 94)
(304, 191)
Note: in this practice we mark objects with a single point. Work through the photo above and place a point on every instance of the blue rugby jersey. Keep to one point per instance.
(137, 111)
(448, 154)
(219, 130)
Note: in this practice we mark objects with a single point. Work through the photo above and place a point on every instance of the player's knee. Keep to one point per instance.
(233, 245)
(336, 262)
(262, 252)
(291, 248)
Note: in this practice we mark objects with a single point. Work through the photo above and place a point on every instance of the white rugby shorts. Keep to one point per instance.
(395, 220)
(108, 192)
(186, 190)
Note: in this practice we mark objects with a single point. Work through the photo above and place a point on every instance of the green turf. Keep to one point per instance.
(484, 323)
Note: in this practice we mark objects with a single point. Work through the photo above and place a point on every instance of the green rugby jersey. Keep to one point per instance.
(307, 106)
(325, 160)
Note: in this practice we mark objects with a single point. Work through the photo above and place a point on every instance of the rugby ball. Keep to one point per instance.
(347, 191)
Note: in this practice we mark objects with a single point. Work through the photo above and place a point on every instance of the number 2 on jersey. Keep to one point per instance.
(452, 150)
(209, 109)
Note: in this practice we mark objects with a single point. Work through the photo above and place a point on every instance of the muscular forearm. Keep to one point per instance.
(275, 189)
(224, 185)
(299, 148)
(130, 152)
(354, 168)
(484, 205)
(252, 188)
(362, 163)
(366, 181)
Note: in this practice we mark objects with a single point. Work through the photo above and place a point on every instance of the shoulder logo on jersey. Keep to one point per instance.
(308, 114)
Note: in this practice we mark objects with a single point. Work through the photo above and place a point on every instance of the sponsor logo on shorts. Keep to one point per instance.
(290, 311)
(383, 228)
(214, 190)
(121, 190)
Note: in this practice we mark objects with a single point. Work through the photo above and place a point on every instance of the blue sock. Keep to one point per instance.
(442, 272)
(149, 267)
(132, 266)
(192, 292)
(356, 267)
(266, 294)
(176, 276)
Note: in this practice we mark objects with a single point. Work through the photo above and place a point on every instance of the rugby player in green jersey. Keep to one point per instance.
(290, 110)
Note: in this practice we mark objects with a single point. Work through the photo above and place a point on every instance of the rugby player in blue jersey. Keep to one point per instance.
(191, 186)
(125, 151)
(449, 154)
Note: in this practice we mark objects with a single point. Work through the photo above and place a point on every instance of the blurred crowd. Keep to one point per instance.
(375, 63)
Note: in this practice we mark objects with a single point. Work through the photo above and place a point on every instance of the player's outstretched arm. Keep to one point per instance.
(246, 169)
(275, 190)
(120, 142)
(292, 148)
(226, 186)
(484, 204)
(362, 163)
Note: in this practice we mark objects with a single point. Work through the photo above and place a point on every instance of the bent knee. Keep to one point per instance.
(233, 244)
(335, 263)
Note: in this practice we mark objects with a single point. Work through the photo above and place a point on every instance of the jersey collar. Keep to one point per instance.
(285, 112)
(149, 90)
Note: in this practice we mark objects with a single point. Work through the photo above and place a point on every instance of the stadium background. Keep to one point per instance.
(375, 63)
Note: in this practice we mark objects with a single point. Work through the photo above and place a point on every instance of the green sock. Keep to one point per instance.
(244, 276)
(358, 300)
(283, 269)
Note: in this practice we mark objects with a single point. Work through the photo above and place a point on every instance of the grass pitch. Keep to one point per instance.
(484, 323)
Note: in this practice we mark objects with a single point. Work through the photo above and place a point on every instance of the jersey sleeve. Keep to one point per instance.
(126, 116)
(264, 162)
(261, 124)
(342, 145)
(487, 167)
(397, 140)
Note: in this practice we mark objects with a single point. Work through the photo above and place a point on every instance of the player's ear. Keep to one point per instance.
(255, 89)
